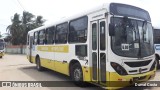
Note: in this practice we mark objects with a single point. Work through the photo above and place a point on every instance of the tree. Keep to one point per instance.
(26, 25)
(21, 25)
(39, 21)
(15, 29)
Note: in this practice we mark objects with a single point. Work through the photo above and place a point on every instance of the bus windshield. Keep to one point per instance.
(133, 38)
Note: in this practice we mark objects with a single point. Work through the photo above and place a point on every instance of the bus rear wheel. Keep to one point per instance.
(77, 75)
(38, 64)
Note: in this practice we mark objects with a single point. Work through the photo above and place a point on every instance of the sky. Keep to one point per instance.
(54, 10)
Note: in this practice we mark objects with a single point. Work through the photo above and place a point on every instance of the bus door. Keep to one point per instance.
(98, 29)
(30, 48)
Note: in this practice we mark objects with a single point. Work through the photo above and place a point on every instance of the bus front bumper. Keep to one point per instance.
(118, 81)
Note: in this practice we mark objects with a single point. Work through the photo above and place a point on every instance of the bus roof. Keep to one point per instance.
(98, 8)
(104, 6)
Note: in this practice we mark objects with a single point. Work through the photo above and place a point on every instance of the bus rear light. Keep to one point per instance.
(118, 68)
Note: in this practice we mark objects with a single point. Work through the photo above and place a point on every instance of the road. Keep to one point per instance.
(17, 68)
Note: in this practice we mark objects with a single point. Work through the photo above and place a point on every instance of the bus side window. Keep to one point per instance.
(53, 29)
(81, 50)
(36, 41)
(61, 33)
(78, 30)
(46, 36)
(42, 37)
(50, 35)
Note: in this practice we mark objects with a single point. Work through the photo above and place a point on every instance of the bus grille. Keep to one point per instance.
(138, 64)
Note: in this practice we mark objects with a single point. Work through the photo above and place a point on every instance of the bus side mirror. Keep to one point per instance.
(111, 29)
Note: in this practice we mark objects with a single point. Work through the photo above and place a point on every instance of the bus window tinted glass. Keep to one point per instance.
(42, 37)
(130, 11)
(61, 33)
(102, 36)
(36, 40)
(78, 30)
(50, 35)
(94, 36)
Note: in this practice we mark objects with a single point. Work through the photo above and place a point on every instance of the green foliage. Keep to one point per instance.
(21, 25)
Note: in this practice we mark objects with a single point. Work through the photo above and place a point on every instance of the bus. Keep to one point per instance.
(2, 47)
(157, 44)
(108, 44)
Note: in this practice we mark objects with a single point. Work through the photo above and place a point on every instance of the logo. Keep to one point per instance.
(6, 84)
(20, 84)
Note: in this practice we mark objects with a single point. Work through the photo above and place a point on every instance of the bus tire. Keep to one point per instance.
(77, 75)
(38, 64)
(0, 56)
(157, 61)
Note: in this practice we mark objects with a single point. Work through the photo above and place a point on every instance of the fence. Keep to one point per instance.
(15, 49)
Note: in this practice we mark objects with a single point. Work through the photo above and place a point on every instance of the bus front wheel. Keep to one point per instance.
(77, 75)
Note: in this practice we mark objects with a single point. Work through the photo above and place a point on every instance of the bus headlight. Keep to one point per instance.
(118, 68)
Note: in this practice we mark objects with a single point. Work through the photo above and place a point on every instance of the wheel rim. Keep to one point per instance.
(77, 74)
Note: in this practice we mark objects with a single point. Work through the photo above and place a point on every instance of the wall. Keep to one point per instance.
(16, 49)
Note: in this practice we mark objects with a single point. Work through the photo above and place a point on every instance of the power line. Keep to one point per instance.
(20, 5)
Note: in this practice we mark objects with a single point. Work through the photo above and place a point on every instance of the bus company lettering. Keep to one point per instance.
(63, 49)
(147, 84)
(44, 49)
(25, 84)
(58, 49)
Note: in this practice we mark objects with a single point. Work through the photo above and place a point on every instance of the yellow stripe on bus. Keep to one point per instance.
(62, 49)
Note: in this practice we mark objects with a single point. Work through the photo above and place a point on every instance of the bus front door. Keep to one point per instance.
(98, 29)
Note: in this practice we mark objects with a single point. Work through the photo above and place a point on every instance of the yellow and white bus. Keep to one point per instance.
(2, 47)
(113, 42)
